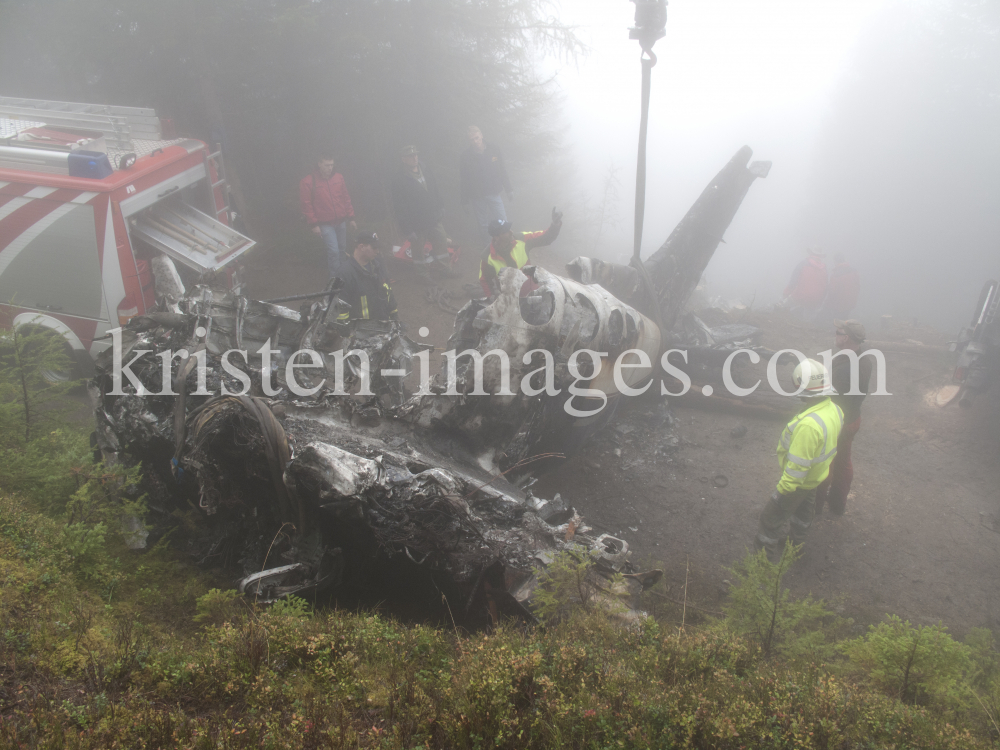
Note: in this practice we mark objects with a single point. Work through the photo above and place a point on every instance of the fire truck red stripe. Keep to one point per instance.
(21, 219)
(16, 189)
(63, 195)
(6, 199)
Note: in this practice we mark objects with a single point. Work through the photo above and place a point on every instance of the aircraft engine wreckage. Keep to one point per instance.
(390, 492)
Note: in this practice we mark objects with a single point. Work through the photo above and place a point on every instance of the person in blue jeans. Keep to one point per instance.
(484, 175)
(326, 206)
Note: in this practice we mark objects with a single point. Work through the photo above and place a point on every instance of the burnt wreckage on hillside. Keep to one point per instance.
(393, 492)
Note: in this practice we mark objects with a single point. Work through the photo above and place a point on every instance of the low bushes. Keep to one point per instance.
(197, 667)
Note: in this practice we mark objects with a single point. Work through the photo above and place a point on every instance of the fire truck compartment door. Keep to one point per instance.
(189, 236)
(161, 190)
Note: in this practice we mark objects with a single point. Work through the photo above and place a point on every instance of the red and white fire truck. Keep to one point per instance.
(89, 196)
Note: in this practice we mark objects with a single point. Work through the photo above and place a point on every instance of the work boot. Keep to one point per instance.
(773, 552)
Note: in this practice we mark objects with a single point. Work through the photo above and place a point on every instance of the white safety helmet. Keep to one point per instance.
(816, 379)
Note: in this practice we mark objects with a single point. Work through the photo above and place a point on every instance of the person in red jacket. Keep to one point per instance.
(807, 288)
(844, 289)
(327, 208)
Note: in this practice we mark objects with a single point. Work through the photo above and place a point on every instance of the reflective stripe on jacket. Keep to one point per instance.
(367, 291)
(807, 446)
(519, 255)
(493, 263)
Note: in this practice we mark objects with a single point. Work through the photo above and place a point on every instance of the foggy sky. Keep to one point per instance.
(772, 75)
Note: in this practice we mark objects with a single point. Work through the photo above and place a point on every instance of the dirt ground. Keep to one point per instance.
(917, 539)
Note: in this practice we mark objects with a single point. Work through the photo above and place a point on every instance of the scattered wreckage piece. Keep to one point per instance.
(316, 494)
(677, 267)
(600, 308)
(351, 482)
(537, 319)
(622, 281)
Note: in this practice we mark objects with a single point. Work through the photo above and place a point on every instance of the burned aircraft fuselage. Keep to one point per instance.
(284, 446)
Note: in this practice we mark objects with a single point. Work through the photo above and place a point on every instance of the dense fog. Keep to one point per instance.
(880, 118)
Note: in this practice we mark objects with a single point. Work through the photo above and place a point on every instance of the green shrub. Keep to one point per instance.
(84, 544)
(917, 665)
(43, 469)
(216, 606)
(291, 606)
(570, 582)
(34, 369)
(759, 607)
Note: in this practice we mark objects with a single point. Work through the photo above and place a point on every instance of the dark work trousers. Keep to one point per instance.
(796, 509)
(835, 487)
(439, 244)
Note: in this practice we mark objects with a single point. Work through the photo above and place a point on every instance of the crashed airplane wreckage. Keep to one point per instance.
(390, 492)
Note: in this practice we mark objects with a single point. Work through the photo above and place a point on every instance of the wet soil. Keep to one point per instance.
(917, 539)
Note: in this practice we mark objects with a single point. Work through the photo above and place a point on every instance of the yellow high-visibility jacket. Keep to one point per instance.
(493, 263)
(807, 446)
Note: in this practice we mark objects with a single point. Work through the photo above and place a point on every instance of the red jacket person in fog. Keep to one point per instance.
(326, 206)
(843, 289)
(806, 289)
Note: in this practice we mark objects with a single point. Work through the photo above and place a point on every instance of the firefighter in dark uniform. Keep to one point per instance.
(366, 283)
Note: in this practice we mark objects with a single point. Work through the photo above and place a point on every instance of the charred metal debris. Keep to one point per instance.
(392, 492)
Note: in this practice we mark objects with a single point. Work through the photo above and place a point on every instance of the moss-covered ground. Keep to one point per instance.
(106, 647)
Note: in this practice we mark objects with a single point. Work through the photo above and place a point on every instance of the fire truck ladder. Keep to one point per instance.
(220, 182)
(120, 125)
(991, 312)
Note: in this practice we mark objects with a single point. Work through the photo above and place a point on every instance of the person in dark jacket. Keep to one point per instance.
(326, 207)
(483, 175)
(419, 208)
(834, 490)
(366, 283)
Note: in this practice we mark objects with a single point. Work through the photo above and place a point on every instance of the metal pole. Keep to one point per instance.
(640, 170)
(650, 25)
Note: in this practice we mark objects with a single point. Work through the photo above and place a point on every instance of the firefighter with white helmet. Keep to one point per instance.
(806, 448)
